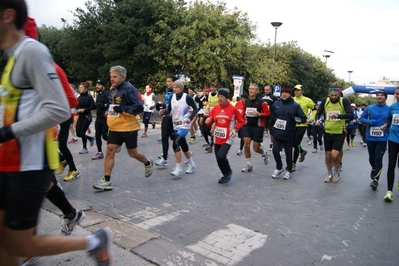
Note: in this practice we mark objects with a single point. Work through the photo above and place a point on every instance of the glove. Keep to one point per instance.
(118, 109)
(6, 134)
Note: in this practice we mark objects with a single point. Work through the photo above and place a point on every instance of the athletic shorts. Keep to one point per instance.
(333, 141)
(254, 133)
(21, 197)
(118, 138)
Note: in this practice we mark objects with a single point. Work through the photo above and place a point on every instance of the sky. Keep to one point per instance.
(361, 33)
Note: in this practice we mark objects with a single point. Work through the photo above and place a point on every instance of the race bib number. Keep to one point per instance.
(220, 132)
(177, 122)
(395, 119)
(280, 124)
(330, 113)
(376, 132)
(111, 112)
(250, 111)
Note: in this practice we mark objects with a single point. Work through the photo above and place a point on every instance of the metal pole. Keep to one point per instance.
(275, 39)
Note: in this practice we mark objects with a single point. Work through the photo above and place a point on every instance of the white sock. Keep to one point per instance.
(92, 242)
(248, 161)
(190, 161)
(178, 166)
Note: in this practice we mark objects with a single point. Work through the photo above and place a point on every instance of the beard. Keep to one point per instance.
(334, 101)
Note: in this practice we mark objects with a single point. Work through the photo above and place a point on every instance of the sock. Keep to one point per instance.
(92, 242)
(248, 161)
(178, 166)
(147, 163)
(107, 178)
(190, 161)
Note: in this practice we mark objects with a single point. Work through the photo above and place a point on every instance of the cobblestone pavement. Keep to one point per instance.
(252, 220)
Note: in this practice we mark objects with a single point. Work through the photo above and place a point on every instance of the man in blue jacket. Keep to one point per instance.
(375, 116)
(285, 114)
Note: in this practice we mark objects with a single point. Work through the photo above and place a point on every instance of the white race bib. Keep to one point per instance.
(250, 111)
(220, 132)
(111, 112)
(332, 113)
(280, 124)
(376, 132)
(395, 119)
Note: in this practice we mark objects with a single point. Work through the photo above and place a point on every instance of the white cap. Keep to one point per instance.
(353, 104)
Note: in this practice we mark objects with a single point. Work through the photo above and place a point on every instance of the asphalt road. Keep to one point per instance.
(252, 220)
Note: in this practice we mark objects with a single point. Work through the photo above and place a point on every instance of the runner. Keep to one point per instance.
(351, 129)
(241, 108)
(179, 110)
(211, 101)
(125, 104)
(270, 99)
(317, 131)
(86, 104)
(255, 111)
(150, 100)
(227, 121)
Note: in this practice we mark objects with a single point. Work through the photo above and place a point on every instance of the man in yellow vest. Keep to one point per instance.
(336, 110)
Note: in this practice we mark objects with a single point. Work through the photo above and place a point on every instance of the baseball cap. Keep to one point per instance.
(102, 82)
(298, 87)
(353, 104)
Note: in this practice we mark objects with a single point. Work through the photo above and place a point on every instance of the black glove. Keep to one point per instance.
(6, 134)
(118, 109)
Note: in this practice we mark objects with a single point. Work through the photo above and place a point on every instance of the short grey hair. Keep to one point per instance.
(255, 85)
(120, 69)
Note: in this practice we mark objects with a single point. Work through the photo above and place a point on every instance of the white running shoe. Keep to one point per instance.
(177, 172)
(162, 162)
(277, 173)
(191, 168)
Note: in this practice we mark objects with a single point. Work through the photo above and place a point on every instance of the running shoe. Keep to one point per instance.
(321, 147)
(84, 151)
(364, 145)
(293, 168)
(61, 168)
(314, 151)
(103, 185)
(205, 145)
(153, 124)
(239, 152)
(177, 172)
(327, 179)
(353, 143)
(225, 179)
(144, 135)
(161, 162)
(191, 168)
(98, 156)
(348, 148)
(91, 142)
(388, 196)
(68, 227)
(160, 140)
(374, 184)
(209, 149)
(73, 140)
(72, 175)
(247, 169)
(277, 173)
(302, 156)
(192, 140)
(336, 177)
(148, 169)
(102, 254)
(266, 135)
(287, 175)
(265, 157)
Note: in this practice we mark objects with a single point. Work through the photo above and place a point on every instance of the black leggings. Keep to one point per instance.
(206, 132)
(393, 150)
(287, 145)
(317, 133)
(376, 150)
(299, 133)
(81, 127)
(101, 131)
(350, 135)
(221, 152)
(166, 133)
(57, 196)
(180, 142)
(63, 147)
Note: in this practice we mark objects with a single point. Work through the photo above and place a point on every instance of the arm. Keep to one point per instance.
(364, 119)
(191, 103)
(265, 112)
(348, 110)
(73, 102)
(38, 66)
(155, 99)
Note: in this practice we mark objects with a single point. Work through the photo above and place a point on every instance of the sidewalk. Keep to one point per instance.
(125, 236)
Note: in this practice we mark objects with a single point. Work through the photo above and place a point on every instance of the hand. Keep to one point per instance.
(234, 133)
(384, 127)
(118, 109)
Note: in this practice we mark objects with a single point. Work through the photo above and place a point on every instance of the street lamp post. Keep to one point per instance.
(326, 56)
(275, 25)
(350, 72)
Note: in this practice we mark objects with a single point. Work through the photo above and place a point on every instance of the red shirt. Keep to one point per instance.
(226, 118)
